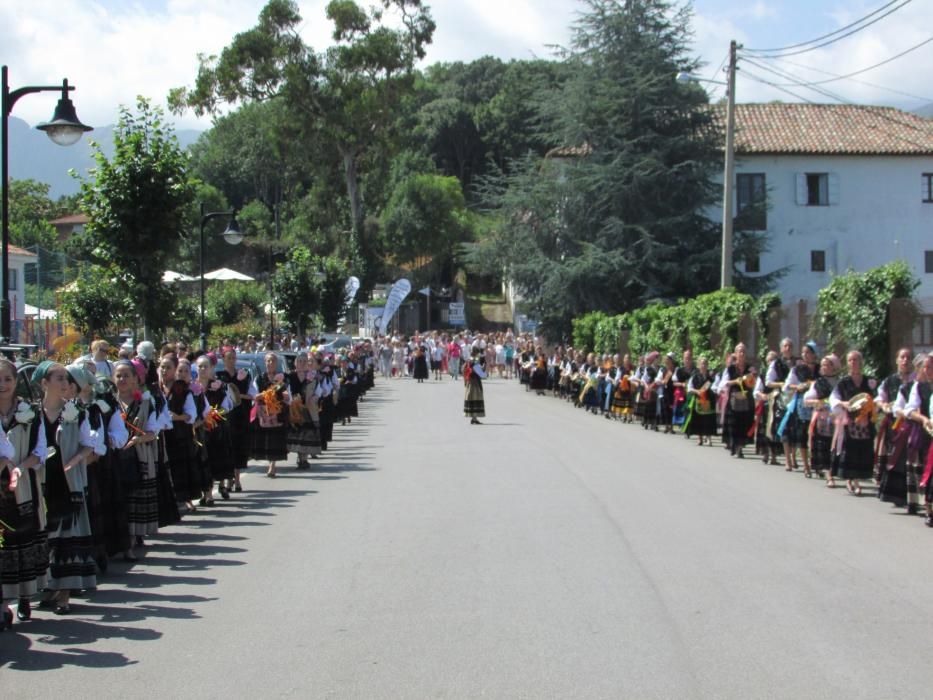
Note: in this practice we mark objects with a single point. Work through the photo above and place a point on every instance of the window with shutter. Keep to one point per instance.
(818, 189)
(801, 189)
(926, 184)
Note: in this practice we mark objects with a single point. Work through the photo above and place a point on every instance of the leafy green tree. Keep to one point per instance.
(853, 311)
(333, 289)
(95, 301)
(226, 303)
(426, 217)
(614, 218)
(137, 203)
(346, 96)
(471, 115)
(296, 289)
(30, 213)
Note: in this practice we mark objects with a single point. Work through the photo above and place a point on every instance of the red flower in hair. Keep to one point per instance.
(137, 396)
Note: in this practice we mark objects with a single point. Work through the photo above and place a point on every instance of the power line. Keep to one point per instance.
(715, 87)
(759, 79)
(797, 82)
(849, 76)
(818, 43)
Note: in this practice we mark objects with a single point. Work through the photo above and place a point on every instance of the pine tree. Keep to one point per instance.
(616, 216)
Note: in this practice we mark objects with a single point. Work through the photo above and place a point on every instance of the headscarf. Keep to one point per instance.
(145, 350)
(140, 368)
(81, 376)
(42, 369)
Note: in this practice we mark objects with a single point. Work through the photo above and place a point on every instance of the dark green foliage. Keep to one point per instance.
(226, 303)
(138, 203)
(296, 289)
(345, 97)
(707, 324)
(619, 221)
(426, 217)
(853, 311)
(95, 301)
(333, 289)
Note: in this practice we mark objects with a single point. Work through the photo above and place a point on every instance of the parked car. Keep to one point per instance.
(335, 343)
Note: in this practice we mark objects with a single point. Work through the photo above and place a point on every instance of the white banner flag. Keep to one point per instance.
(397, 295)
(351, 288)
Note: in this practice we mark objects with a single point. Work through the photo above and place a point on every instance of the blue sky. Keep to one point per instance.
(113, 50)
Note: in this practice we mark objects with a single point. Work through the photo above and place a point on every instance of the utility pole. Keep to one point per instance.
(728, 182)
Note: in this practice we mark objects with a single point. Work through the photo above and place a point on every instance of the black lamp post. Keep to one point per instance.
(64, 129)
(232, 235)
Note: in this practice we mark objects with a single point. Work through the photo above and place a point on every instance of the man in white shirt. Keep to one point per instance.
(99, 351)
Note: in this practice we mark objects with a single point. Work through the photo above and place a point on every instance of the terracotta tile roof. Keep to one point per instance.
(16, 250)
(70, 219)
(792, 128)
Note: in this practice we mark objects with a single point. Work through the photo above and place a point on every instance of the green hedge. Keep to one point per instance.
(671, 328)
(852, 312)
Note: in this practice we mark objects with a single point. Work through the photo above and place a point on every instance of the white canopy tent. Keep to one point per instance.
(226, 273)
(170, 276)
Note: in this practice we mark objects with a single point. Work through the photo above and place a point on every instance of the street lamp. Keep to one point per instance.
(64, 129)
(728, 184)
(232, 235)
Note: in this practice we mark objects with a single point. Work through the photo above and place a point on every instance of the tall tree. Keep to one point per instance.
(615, 218)
(296, 289)
(426, 218)
(137, 203)
(346, 95)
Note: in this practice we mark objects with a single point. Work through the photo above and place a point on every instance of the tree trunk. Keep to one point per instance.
(351, 175)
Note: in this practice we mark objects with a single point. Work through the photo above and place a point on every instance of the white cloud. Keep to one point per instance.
(883, 40)
(113, 50)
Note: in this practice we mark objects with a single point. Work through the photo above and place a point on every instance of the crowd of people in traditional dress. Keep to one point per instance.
(820, 415)
(100, 454)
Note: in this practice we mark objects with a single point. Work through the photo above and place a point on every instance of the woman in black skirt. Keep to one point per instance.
(347, 408)
(271, 415)
(179, 440)
(243, 390)
(326, 393)
(216, 426)
(24, 554)
(855, 456)
(822, 424)
(701, 405)
(419, 364)
(71, 548)
(304, 438)
(738, 382)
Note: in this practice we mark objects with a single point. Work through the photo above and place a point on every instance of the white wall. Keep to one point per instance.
(17, 300)
(879, 217)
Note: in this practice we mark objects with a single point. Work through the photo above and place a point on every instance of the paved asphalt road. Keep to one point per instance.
(544, 554)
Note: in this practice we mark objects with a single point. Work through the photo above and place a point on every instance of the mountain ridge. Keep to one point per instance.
(34, 156)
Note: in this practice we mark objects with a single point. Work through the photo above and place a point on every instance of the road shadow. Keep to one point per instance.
(19, 654)
(134, 596)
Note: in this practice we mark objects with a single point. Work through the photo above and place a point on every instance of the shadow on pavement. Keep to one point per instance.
(133, 594)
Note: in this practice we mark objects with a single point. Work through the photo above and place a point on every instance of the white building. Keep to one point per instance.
(19, 258)
(847, 186)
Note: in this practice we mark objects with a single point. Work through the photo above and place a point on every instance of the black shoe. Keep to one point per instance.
(224, 493)
(7, 621)
(912, 509)
(928, 521)
(24, 610)
(140, 542)
(102, 563)
(237, 488)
